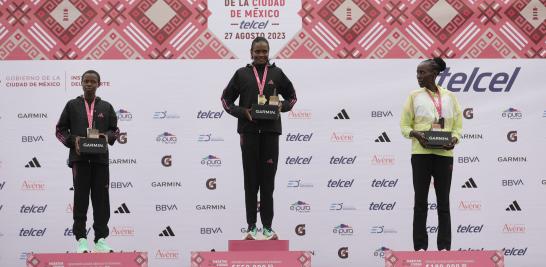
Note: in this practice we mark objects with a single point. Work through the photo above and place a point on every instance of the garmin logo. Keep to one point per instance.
(265, 111)
(210, 207)
(512, 159)
(473, 136)
(32, 115)
(479, 81)
(123, 161)
(94, 145)
(167, 184)
(438, 138)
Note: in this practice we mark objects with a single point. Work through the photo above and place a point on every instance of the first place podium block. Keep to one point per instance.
(482, 258)
(131, 259)
(253, 253)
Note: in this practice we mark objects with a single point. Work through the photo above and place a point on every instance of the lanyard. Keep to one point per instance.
(89, 112)
(437, 105)
(261, 85)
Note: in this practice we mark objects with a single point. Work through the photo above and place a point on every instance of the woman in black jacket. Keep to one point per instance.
(255, 84)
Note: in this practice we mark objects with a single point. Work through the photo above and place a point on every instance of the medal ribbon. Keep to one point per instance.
(89, 112)
(261, 85)
(437, 105)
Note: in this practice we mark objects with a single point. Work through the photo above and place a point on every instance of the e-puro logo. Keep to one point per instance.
(124, 115)
(211, 183)
(512, 136)
(166, 138)
(166, 161)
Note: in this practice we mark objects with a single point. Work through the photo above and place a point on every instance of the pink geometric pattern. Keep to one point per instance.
(344, 29)
(107, 29)
(420, 29)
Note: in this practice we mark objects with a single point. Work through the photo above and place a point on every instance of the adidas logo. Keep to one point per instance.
(33, 163)
(122, 209)
(514, 207)
(342, 115)
(167, 232)
(383, 138)
(470, 184)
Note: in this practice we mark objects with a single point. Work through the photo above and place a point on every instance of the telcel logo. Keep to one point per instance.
(210, 114)
(299, 137)
(340, 183)
(478, 80)
(342, 160)
(33, 209)
(298, 160)
(469, 228)
(384, 183)
(382, 206)
(32, 232)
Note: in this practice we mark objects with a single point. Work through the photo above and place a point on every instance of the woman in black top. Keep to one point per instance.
(255, 84)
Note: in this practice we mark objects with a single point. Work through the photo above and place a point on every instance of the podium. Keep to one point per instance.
(130, 259)
(482, 258)
(263, 253)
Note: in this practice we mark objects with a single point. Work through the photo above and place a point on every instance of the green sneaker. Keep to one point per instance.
(251, 233)
(82, 246)
(269, 234)
(102, 247)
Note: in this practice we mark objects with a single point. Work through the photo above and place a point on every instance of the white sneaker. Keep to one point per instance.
(82, 246)
(102, 247)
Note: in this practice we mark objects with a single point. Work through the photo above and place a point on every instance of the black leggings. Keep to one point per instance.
(91, 178)
(424, 167)
(260, 153)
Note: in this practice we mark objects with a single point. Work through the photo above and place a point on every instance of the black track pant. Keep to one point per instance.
(424, 167)
(260, 153)
(91, 178)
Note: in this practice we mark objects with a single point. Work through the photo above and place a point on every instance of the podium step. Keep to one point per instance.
(251, 258)
(482, 258)
(130, 259)
(258, 245)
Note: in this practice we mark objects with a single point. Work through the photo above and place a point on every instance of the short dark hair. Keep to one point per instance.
(91, 72)
(438, 64)
(257, 40)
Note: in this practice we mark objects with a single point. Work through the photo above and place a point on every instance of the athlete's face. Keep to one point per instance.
(426, 75)
(90, 83)
(260, 53)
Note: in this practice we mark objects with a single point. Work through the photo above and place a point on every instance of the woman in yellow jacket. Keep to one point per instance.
(431, 107)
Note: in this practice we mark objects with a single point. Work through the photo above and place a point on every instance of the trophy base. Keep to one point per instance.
(92, 146)
(264, 112)
(437, 139)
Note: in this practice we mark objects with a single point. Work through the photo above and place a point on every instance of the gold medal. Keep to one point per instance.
(261, 100)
